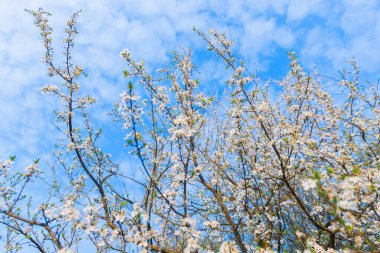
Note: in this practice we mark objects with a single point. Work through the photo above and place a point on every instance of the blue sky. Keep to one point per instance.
(322, 32)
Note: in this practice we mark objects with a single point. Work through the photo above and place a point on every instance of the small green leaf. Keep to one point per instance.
(316, 175)
(154, 194)
(356, 170)
(335, 200)
(322, 193)
(330, 170)
(138, 217)
(349, 228)
(130, 85)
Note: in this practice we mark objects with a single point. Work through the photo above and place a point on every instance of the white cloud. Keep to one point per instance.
(263, 35)
(298, 9)
(353, 32)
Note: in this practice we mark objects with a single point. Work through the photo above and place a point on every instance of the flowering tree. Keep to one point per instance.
(250, 172)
